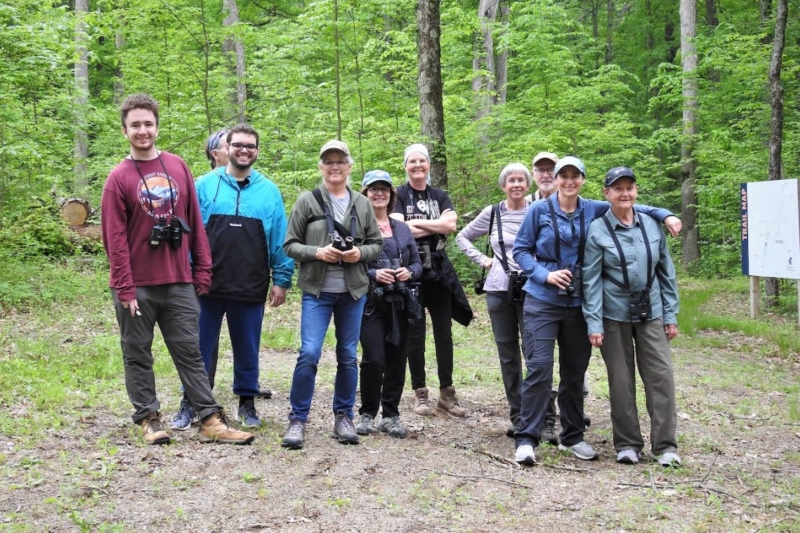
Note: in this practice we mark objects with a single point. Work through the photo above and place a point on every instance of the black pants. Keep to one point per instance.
(383, 364)
(435, 297)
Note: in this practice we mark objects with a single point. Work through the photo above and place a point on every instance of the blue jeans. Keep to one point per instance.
(244, 327)
(315, 317)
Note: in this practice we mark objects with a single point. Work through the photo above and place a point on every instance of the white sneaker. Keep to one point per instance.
(525, 455)
(668, 459)
(627, 457)
(582, 450)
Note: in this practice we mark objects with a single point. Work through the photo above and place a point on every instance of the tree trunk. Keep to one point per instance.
(711, 13)
(119, 87)
(609, 31)
(338, 70)
(776, 125)
(483, 83)
(429, 85)
(691, 232)
(81, 149)
(235, 46)
(502, 59)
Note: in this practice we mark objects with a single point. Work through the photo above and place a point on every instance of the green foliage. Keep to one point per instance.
(36, 231)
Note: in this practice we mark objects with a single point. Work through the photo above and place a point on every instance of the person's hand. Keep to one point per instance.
(488, 263)
(133, 306)
(673, 225)
(353, 255)
(403, 274)
(384, 275)
(277, 296)
(596, 339)
(671, 331)
(560, 278)
(329, 254)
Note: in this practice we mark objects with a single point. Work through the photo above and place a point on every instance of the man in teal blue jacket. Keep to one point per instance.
(245, 219)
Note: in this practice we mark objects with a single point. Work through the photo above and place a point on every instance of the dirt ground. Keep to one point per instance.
(739, 447)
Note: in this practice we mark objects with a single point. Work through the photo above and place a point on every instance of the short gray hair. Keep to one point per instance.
(514, 168)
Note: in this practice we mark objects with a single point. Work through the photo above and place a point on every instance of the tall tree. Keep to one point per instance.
(490, 69)
(429, 85)
(776, 124)
(691, 232)
(81, 150)
(235, 46)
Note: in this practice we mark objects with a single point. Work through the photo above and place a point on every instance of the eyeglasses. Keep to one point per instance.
(544, 170)
(241, 146)
(378, 190)
(340, 164)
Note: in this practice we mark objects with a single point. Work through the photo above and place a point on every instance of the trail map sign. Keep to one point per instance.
(771, 229)
(770, 235)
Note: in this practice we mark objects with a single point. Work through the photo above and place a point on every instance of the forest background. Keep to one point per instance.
(599, 79)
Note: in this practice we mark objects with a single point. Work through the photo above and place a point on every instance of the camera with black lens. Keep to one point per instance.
(159, 232)
(516, 281)
(425, 256)
(177, 227)
(640, 306)
(574, 287)
(341, 244)
(395, 264)
(478, 286)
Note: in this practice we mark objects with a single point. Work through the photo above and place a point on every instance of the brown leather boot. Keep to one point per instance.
(153, 429)
(215, 428)
(448, 402)
(421, 406)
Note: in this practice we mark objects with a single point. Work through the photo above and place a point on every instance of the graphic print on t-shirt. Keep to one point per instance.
(427, 208)
(157, 194)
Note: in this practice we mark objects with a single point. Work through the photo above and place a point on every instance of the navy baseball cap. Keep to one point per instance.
(616, 173)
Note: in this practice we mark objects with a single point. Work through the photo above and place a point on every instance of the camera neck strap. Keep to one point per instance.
(149, 194)
(557, 231)
(331, 221)
(626, 285)
(489, 238)
(500, 241)
(396, 242)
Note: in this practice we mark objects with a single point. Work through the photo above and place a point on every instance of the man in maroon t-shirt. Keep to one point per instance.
(151, 224)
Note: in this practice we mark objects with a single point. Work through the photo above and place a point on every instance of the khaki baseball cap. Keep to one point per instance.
(334, 145)
(545, 155)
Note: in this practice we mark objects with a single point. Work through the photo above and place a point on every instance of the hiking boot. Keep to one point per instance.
(587, 421)
(295, 435)
(421, 406)
(183, 418)
(393, 427)
(668, 459)
(343, 429)
(265, 394)
(153, 429)
(549, 433)
(582, 450)
(215, 428)
(247, 415)
(364, 426)
(525, 455)
(513, 427)
(448, 402)
(627, 457)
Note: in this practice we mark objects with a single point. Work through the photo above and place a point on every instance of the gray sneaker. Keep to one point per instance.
(582, 450)
(343, 429)
(183, 418)
(525, 455)
(295, 435)
(393, 427)
(627, 457)
(668, 459)
(364, 426)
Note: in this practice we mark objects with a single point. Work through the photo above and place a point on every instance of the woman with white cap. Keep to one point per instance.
(431, 216)
(390, 305)
(631, 299)
(549, 249)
